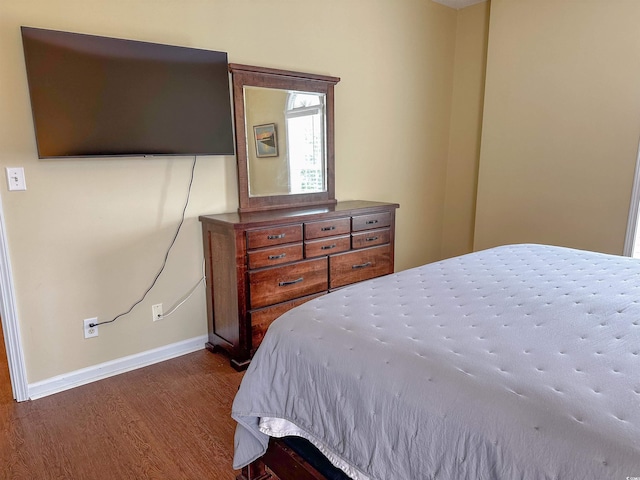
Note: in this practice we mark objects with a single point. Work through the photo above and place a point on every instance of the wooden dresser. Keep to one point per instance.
(261, 264)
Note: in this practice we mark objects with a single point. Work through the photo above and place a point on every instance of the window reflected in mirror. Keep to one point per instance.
(305, 142)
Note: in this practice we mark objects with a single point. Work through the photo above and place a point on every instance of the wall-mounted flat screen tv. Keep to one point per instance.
(98, 96)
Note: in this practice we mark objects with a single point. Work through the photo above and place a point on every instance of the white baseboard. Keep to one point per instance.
(83, 376)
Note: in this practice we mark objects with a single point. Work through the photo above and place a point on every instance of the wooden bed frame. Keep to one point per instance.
(280, 463)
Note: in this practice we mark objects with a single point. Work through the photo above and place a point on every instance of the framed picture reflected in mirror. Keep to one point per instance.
(266, 140)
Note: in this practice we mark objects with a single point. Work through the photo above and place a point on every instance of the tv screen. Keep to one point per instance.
(98, 96)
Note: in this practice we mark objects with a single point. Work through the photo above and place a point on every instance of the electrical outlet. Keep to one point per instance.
(156, 311)
(90, 331)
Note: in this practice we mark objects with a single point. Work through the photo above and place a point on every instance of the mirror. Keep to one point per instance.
(284, 138)
(287, 154)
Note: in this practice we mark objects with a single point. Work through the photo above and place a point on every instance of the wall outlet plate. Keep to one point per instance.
(156, 311)
(90, 331)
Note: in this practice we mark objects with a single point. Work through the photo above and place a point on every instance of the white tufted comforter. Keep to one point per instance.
(519, 362)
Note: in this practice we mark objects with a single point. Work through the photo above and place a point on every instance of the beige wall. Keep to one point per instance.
(466, 127)
(88, 236)
(561, 123)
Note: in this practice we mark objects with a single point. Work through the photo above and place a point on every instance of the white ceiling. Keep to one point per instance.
(458, 3)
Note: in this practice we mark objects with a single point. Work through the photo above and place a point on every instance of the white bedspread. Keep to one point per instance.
(519, 362)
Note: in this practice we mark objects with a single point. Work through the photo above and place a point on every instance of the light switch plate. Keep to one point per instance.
(15, 179)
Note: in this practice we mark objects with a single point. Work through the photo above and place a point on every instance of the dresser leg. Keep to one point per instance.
(240, 366)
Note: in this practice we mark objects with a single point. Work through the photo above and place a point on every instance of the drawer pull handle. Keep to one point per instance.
(371, 222)
(362, 265)
(277, 257)
(290, 282)
(370, 239)
(328, 247)
(327, 229)
(276, 237)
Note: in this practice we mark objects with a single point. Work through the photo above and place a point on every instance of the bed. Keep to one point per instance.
(517, 362)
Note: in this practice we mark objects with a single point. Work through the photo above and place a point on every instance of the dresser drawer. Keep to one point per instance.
(279, 284)
(267, 237)
(262, 318)
(359, 265)
(373, 220)
(269, 257)
(370, 238)
(326, 246)
(327, 228)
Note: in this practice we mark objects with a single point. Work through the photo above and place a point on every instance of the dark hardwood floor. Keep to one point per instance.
(167, 421)
(5, 381)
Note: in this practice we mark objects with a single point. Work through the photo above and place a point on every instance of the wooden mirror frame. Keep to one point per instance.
(245, 75)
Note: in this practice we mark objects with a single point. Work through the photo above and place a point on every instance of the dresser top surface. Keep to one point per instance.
(301, 213)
